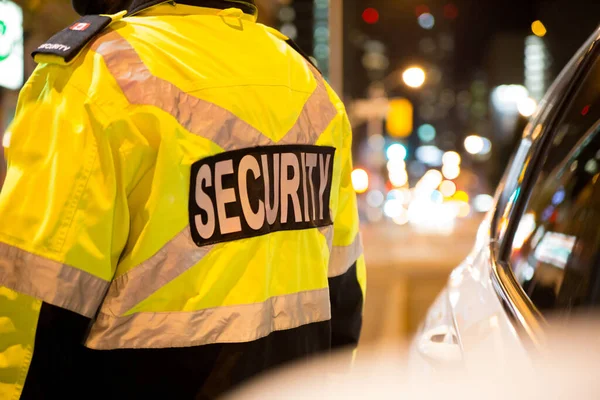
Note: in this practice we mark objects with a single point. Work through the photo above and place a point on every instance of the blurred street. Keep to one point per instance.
(406, 271)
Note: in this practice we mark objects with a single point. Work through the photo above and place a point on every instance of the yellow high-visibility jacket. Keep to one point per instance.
(178, 213)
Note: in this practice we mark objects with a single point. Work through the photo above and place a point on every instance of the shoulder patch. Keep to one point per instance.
(69, 42)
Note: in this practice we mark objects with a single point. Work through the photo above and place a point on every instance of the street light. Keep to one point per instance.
(414, 77)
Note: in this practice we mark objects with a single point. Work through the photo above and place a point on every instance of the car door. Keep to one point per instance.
(483, 305)
(552, 245)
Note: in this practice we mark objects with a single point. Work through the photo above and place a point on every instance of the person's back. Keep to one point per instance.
(178, 199)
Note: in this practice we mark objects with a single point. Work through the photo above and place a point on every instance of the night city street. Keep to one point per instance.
(197, 193)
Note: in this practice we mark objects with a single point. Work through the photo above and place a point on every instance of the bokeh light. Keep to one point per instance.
(538, 28)
(393, 208)
(426, 132)
(461, 196)
(437, 197)
(360, 180)
(398, 178)
(432, 178)
(370, 15)
(450, 11)
(451, 158)
(426, 21)
(396, 165)
(430, 155)
(401, 218)
(527, 106)
(451, 171)
(376, 142)
(414, 77)
(474, 144)
(448, 188)
(483, 203)
(375, 198)
(396, 151)
(464, 210)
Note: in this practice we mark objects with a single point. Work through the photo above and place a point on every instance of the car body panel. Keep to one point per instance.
(474, 312)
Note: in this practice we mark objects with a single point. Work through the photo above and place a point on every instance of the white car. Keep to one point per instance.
(537, 254)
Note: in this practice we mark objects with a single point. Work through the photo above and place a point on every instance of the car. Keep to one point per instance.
(536, 260)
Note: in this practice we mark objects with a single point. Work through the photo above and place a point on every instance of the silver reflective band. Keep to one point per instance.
(343, 257)
(318, 112)
(172, 260)
(228, 324)
(327, 231)
(50, 281)
(199, 116)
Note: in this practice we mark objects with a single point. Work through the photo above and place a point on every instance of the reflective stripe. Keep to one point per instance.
(327, 231)
(231, 324)
(343, 257)
(199, 116)
(50, 281)
(173, 259)
(318, 112)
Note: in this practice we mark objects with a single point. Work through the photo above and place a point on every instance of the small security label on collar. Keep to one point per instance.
(253, 192)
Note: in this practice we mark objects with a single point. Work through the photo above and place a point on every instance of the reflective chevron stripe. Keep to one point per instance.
(343, 257)
(51, 281)
(199, 116)
(229, 324)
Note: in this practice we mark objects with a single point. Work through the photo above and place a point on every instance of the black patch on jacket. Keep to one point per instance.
(69, 42)
(252, 192)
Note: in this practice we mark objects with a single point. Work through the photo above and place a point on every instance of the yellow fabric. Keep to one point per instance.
(102, 185)
(234, 273)
(18, 322)
(361, 275)
(63, 188)
(346, 222)
(49, 59)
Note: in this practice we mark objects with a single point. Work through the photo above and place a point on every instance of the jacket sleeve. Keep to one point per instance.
(347, 272)
(63, 218)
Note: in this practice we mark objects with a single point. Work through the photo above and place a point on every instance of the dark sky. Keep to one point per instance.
(569, 22)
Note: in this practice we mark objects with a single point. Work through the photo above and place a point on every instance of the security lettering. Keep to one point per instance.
(54, 46)
(253, 192)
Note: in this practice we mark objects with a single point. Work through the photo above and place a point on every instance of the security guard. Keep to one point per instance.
(178, 213)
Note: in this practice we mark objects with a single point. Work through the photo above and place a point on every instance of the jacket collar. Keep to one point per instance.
(247, 6)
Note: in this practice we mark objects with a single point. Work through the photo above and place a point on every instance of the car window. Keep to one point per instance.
(555, 252)
(509, 189)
